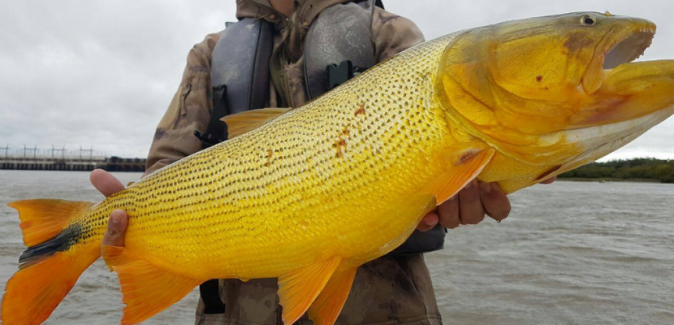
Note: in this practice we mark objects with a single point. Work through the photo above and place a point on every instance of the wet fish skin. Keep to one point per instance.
(322, 189)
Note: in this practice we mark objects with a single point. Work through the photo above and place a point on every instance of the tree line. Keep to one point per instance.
(640, 168)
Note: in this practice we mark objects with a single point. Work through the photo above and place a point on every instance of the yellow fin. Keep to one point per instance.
(146, 288)
(42, 219)
(328, 305)
(244, 122)
(297, 290)
(464, 167)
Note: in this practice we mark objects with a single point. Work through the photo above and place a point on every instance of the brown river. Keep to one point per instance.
(570, 253)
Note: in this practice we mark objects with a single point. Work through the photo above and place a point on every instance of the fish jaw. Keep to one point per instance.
(601, 140)
(629, 91)
(633, 98)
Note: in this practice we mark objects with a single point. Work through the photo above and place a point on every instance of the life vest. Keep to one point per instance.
(337, 46)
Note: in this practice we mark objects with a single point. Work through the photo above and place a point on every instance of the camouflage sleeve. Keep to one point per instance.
(393, 34)
(189, 110)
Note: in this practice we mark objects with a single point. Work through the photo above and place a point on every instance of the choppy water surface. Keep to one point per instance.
(570, 253)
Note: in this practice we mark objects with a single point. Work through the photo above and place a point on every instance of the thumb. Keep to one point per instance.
(114, 235)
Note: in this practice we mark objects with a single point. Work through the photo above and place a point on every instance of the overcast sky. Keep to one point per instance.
(101, 73)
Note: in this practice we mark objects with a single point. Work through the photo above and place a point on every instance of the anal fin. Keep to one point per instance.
(463, 168)
(146, 288)
(329, 303)
(298, 290)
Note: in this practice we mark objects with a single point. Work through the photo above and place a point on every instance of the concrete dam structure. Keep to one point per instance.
(115, 164)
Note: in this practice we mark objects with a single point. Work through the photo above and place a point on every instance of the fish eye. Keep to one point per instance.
(587, 20)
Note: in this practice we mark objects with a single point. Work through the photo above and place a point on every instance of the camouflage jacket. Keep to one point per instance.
(395, 290)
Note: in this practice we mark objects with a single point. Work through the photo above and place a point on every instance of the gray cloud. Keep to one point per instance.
(102, 73)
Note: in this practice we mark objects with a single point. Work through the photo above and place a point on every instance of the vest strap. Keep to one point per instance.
(210, 294)
(240, 61)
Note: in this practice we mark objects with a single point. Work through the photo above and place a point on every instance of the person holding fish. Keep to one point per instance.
(310, 212)
(396, 286)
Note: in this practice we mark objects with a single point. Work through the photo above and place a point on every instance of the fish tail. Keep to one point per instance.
(59, 250)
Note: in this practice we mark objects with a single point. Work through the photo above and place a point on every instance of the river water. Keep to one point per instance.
(570, 253)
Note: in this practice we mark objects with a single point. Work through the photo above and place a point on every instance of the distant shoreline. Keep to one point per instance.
(633, 170)
(606, 180)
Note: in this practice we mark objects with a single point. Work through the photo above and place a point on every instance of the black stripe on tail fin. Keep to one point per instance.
(61, 243)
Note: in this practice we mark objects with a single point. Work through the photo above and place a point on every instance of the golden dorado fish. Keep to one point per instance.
(309, 195)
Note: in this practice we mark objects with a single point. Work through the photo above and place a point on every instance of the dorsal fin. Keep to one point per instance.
(244, 122)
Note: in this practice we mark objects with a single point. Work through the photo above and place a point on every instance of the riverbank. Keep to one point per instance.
(607, 180)
(638, 169)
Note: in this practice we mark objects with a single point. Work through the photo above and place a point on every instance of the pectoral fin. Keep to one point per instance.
(463, 167)
(147, 289)
(298, 290)
(244, 122)
(328, 305)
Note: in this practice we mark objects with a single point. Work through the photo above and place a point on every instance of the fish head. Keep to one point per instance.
(558, 90)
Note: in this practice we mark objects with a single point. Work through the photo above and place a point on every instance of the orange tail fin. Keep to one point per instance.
(59, 252)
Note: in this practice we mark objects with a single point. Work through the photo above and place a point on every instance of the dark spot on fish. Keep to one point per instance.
(361, 109)
(548, 172)
(269, 155)
(539, 78)
(338, 145)
(467, 156)
(578, 41)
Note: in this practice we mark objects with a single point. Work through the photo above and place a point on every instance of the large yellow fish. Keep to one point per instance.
(320, 190)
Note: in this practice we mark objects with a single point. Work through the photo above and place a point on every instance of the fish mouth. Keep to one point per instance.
(621, 45)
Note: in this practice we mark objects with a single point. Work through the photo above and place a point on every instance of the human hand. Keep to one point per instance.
(470, 206)
(108, 185)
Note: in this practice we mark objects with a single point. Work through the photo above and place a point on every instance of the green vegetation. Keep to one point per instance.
(640, 168)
